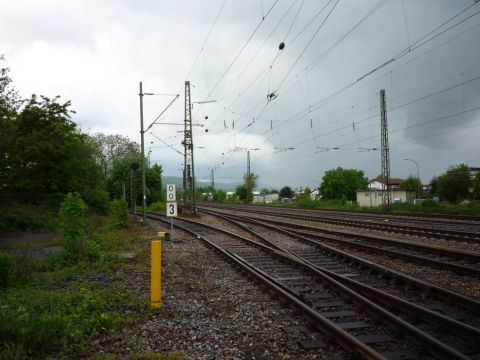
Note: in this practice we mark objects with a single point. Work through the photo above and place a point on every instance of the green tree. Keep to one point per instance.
(411, 184)
(9, 103)
(219, 196)
(73, 225)
(286, 192)
(476, 187)
(434, 186)
(118, 213)
(121, 173)
(245, 190)
(110, 148)
(49, 154)
(241, 192)
(342, 183)
(455, 184)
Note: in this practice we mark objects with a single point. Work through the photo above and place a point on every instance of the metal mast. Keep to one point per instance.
(248, 177)
(386, 196)
(188, 170)
(142, 133)
(212, 178)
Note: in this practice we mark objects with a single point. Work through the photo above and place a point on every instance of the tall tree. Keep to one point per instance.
(476, 187)
(123, 175)
(9, 104)
(286, 192)
(342, 183)
(111, 148)
(245, 190)
(411, 184)
(49, 154)
(455, 184)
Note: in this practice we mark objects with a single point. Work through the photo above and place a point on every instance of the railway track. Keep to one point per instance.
(464, 262)
(357, 323)
(431, 231)
(432, 218)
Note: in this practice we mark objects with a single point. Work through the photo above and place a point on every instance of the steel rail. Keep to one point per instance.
(332, 235)
(429, 217)
(452, 325)
(421, 338)
(463, 236)
(425, 286)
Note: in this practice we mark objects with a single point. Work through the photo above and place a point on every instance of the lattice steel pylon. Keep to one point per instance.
(386, 196)
(188, 164)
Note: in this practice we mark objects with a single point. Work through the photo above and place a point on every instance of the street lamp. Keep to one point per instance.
(418, 176)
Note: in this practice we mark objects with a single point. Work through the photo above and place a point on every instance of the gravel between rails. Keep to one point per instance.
(212, 311)
(452, 244)
(465, 285)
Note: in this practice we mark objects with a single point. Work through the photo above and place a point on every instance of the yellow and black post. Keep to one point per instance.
(156, 275)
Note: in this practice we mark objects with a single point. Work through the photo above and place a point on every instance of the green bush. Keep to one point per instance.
(15, 216)
(73, 225)
(157, 206)
(97, 199)
(6, 270)
(44, 321)
(429, 203)
(118, 213)
(307, 203)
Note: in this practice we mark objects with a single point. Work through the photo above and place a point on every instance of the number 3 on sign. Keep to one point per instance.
(171, 209)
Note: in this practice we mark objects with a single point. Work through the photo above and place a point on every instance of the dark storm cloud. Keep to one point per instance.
(95, 53)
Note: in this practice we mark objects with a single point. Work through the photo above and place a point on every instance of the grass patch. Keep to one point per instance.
(157, 206)
(15, 216)
(43, 321)
(33, 244)
(62, 303)
(428, 206)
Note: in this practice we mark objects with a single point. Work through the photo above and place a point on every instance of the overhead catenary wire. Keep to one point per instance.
(309, 42)
(430, 39)
(242, 48)
(416, 45)
(206, 38)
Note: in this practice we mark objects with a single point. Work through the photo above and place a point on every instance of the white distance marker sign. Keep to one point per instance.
(171, 196)
(171, 209)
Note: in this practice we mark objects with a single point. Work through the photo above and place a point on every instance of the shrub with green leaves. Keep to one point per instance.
(6, 270)
(43, 321)
(429, 203)
(73, 225)
(118, 213)
(157, 206)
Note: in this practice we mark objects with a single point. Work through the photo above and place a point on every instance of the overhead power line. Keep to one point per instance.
(206, 39)
(242, 48)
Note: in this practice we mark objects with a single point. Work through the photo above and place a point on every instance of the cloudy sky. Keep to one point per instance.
(324, 86)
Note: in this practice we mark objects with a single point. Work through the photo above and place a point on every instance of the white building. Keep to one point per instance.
(374, 197)
(264, 199)
(376, 184)
(315, 194)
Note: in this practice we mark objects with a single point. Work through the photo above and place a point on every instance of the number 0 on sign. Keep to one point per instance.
(171, 192)
(171, 209)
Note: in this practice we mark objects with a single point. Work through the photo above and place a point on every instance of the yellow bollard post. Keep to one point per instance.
(156, 276)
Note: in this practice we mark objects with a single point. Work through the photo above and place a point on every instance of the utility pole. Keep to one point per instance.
(142, 133)
(386, 196)
(189, 169)
(248, 176)
(212, 178)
